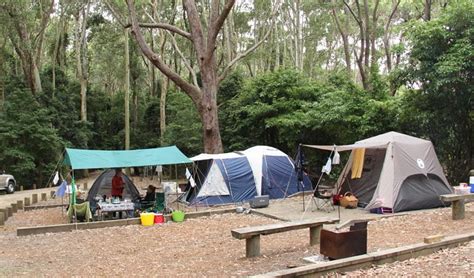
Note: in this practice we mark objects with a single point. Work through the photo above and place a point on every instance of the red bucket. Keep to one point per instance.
(159, 218)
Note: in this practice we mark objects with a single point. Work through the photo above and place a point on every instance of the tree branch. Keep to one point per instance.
(353, 14)
(115, 14)
(192, 91)
(251, 49)
(45, 16)
(188, 66)
(394, 10)
(338, 23)
(176, 47)
(164, 26)
(196, 29)
(216, 23)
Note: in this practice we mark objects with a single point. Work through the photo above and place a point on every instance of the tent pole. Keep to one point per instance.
(176, 183)
(303, 194)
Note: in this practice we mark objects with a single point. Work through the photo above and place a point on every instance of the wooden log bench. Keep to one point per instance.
(252, 234)
(457, 201)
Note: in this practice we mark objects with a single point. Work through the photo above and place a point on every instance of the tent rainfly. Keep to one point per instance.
(97, 159)
(394, 171)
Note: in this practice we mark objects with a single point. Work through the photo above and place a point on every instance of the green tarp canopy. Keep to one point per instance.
(97, 159)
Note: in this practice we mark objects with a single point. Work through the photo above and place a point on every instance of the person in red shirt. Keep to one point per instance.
(117, 184)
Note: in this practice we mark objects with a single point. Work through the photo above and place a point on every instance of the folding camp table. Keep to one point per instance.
(127, 207)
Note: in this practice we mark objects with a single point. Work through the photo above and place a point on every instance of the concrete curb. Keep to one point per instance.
(25, 231)
(375, 258)
(197, 214)
(267, 215)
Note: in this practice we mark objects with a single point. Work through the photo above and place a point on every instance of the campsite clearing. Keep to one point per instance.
(203, 246)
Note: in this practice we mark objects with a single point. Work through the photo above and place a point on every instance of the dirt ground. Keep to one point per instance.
(453, 262)
(205, 247)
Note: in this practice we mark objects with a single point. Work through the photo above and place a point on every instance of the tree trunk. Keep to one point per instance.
(208, 112)
(163, 94)
(54, 58)
(372, 33)
(345, 40)
(386, 37)
(208, 108)
(427, 10)
(28, 65)
(388, 54)
(298, 37)
(2, 80)
(81, 56)
(227, 42)
(36, 78)
(203, 37)
(83, 83)
(151, 69)
(127, 93)
(62, 47)
(277, 51)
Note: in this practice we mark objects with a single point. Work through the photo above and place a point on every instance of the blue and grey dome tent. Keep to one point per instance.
(239, 176)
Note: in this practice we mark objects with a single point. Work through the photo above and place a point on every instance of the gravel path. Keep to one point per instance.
(205, 247)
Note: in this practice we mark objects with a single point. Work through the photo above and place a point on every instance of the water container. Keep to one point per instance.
(471, 183)
(159, 218)
(147, 219)
(177, 216)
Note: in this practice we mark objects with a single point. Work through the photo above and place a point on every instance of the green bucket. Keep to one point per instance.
(177, 216)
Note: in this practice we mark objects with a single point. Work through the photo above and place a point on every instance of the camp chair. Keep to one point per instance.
(159, 204)
(322, 198)
(79, 212)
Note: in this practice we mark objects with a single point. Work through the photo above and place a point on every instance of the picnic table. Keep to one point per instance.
(252, 234)
(457, 203)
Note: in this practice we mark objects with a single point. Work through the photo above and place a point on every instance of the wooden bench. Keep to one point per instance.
(457, 203)
(252, 234)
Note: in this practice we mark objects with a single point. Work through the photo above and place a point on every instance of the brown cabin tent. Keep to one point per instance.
(399, 172)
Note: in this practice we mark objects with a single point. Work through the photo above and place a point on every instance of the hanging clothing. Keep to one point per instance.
(327, 168)
(61, 191)
(56, 178)
(357, 163)
(336, 159)
(190, 178)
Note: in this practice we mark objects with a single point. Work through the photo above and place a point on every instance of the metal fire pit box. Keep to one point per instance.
(338, 245)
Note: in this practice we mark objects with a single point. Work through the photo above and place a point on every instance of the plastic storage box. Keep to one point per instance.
(259, 201)
(462, 190)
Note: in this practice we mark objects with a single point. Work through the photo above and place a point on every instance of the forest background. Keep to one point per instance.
(74, 74)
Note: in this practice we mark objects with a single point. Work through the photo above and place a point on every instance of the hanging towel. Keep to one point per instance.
(56, 178)
(357, 163)
(190, 178)
(327, 168)
(336, 159)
